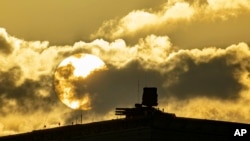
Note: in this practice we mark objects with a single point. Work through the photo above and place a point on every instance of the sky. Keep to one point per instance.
(196, 52)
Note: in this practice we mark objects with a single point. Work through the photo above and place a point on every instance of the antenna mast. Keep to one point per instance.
(81, 116)
(138, 90)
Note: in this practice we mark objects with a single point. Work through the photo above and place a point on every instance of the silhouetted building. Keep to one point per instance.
(142, 123)
(149, 97)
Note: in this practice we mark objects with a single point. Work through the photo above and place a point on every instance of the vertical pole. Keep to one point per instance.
(138, 91)
(81, 116)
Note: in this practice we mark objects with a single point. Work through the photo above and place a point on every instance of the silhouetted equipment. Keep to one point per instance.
(150, 96)
(146, 109)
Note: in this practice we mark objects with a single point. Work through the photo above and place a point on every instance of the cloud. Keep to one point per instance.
(142, 22)
(25, 84)
(208, 71)
(4, 42)
(196, 53)
(189, 24)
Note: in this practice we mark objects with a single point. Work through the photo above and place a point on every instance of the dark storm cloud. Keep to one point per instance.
(28, 95)
(213, 79)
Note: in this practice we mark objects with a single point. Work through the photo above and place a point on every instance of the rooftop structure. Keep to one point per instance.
(144, 122)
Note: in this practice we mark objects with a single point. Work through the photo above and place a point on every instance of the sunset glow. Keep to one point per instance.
(70, 70)
(83, 64)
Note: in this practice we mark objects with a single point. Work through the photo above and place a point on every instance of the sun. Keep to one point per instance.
(83, 64)
(69, 76)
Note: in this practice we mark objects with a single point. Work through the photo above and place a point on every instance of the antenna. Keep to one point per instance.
(81, 116)
(138, 90)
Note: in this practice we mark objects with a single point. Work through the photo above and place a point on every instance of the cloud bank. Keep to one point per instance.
(217, 22)
(196, 53)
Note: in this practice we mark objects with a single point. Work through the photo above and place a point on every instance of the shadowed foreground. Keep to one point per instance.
(160, 127)
(142, 123)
